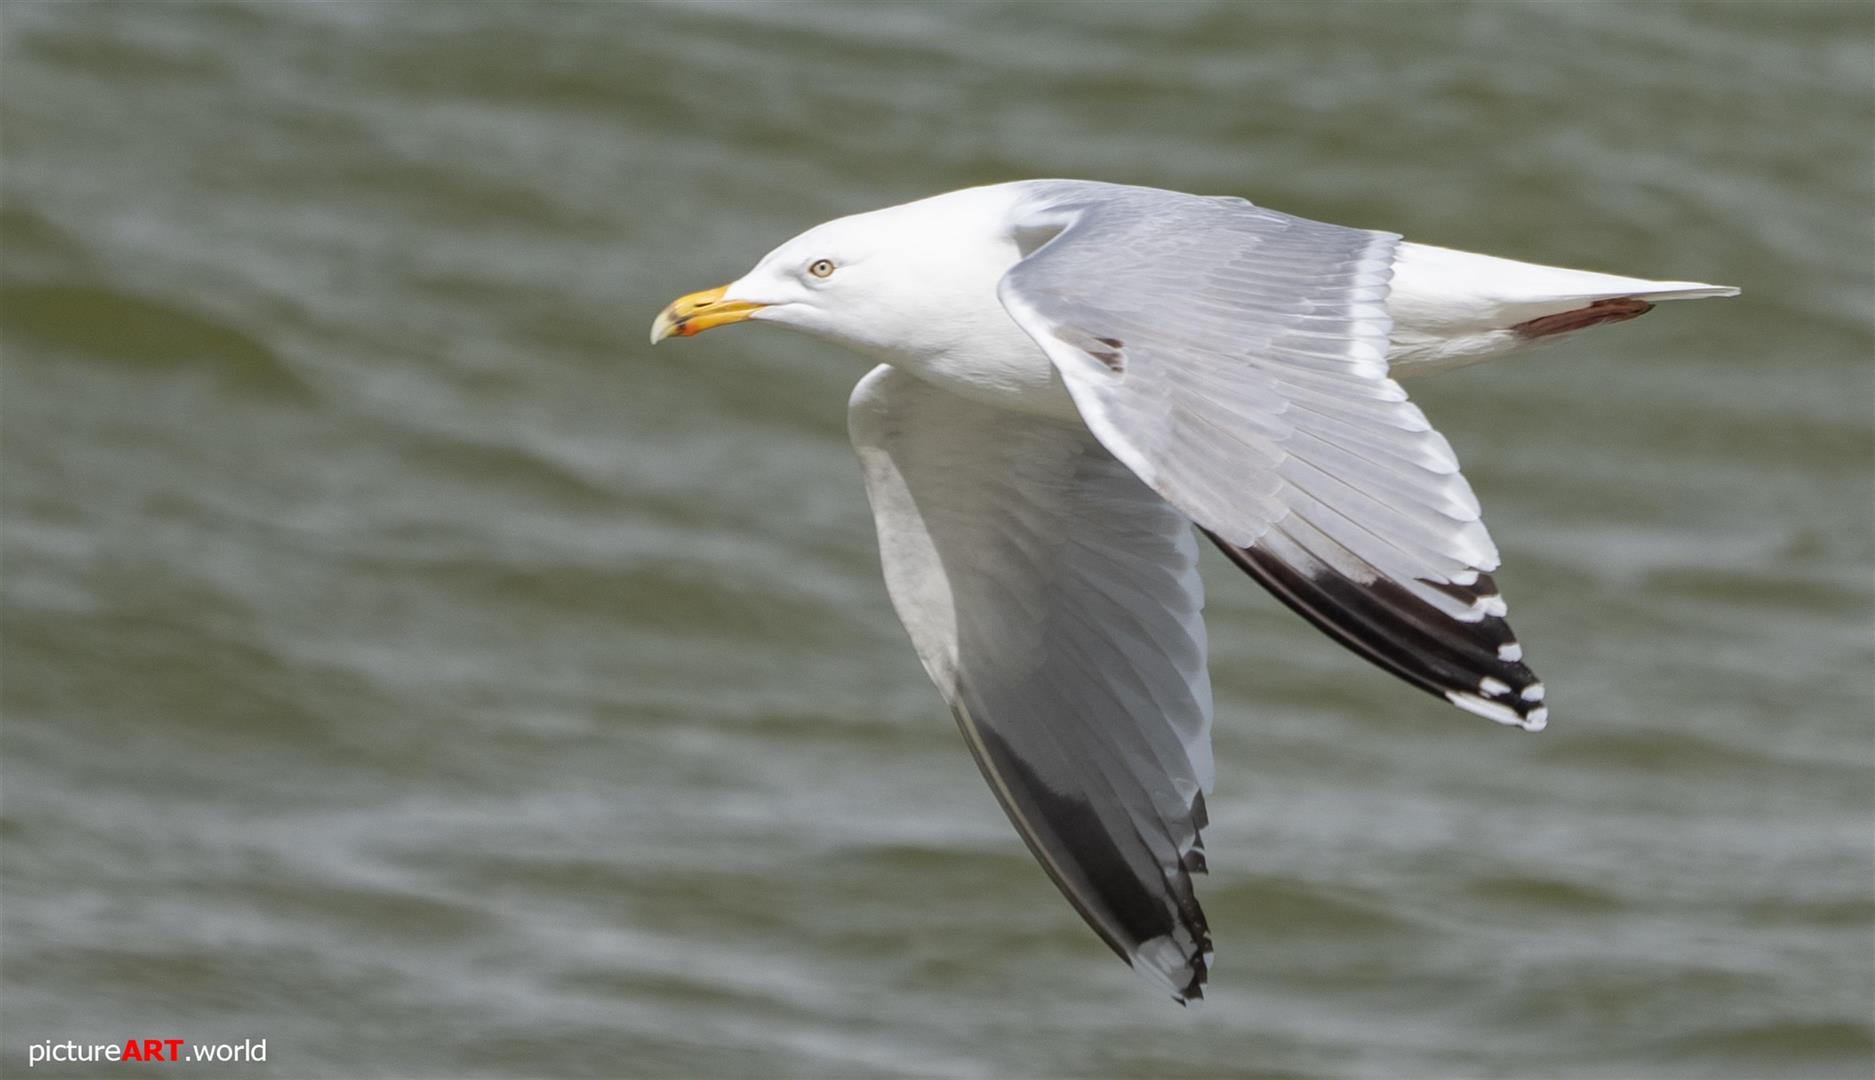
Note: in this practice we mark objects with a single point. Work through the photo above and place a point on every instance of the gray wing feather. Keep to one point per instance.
(1235, 359)
(1055, 601)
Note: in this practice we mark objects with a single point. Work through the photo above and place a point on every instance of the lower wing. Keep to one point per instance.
(1055, 601)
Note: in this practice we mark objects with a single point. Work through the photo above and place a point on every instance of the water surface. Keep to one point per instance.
(405, 665)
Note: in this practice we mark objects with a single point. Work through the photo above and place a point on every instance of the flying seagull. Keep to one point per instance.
(1073, 374)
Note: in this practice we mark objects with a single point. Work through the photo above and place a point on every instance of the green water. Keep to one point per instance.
(405, 665)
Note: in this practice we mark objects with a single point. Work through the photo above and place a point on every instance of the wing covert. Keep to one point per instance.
(1235, 359)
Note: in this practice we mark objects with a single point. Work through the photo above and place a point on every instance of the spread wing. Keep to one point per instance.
(1235, 359)
(1055, 599)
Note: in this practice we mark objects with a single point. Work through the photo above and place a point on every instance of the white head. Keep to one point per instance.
(917, 276)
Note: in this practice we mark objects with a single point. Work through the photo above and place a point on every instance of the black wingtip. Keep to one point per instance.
(1200, 971)
(1476, 665)
(1198, 960)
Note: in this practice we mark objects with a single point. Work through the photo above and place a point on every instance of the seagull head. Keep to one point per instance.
(917, 277)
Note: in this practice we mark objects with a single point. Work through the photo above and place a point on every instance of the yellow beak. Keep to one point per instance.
(698, 312)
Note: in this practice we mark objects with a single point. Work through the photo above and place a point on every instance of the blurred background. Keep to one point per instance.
(407, 666)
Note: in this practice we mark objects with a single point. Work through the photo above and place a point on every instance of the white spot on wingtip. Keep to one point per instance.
(1162, 960)
(1537, 720)
(1510, 652)
(1490, 605)
(1493, 687)
(1490, 710)
(1533, 692)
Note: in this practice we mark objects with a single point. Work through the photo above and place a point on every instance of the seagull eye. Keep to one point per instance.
(821, 268)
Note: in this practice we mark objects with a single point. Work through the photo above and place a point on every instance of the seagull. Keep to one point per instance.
(1071, 376)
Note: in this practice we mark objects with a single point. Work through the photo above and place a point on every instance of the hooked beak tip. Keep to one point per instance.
(690, 315)
(663, 326)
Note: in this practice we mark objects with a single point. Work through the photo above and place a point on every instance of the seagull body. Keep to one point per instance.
(1074, 374)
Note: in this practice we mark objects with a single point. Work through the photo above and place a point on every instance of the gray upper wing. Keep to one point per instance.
(1235, 359)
